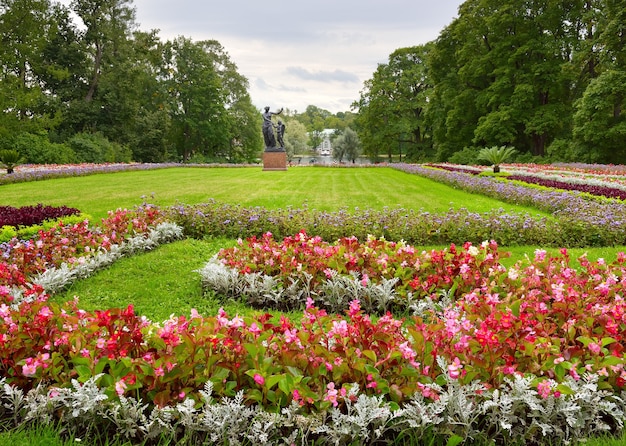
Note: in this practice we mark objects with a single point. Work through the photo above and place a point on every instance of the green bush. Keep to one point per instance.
(7, 233)
(95, 148)
(37, 149)
(468, 156)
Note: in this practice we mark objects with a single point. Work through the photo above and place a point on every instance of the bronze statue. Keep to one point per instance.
(280, 132)
(268, 129)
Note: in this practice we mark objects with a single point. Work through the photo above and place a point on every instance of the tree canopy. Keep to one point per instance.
(542, 76)
(69, 73)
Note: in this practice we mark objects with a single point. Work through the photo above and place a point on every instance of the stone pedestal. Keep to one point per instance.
(274, 160)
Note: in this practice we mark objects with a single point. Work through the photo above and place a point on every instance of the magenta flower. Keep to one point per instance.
(259, 379)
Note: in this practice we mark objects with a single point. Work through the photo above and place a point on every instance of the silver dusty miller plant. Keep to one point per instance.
(513, 413)
(56, 278)
(261, 290)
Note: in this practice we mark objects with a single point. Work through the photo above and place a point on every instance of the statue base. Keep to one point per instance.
(274, 160)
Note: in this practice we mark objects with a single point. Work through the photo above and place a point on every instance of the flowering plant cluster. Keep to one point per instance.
(548, 318)
(576, 184)
(32, 215)
(415, 227)
(313, 263)
(525, 348)
(578, 220)
(21, 260)
(31, 172)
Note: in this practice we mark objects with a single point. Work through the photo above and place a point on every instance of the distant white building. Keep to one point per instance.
(325, 148)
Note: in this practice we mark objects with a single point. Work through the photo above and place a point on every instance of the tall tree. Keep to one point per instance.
(24, 25)
(347, 145)
(197, 99)
(243, 119)
(392, 105)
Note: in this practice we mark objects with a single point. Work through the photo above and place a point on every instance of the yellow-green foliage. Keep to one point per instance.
(7, 233)
(29, 232)
(489, 173)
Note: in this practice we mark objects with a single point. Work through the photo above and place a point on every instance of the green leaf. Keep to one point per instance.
(271, 381)
(515, 307)
(84, 372)
(606, 341)
(565, 390)
(454, 440)
(370, 354)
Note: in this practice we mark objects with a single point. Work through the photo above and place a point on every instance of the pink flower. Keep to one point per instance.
(254, 329)
(236, 322)
(340, 328)
(259, 379)
(331, 394)
(120, 387)
(454, 369)
(543, 389)
(365, 280)
(30, 368)
(372, 384)
(508, 370)
(355, 308)
(594, 348)
(540, 255)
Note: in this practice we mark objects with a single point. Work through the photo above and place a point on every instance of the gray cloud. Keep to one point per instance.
(323, 76)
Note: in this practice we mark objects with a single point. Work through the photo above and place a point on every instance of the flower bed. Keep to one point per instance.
(579, 221)
(30, 172)
(32, 215)
(533, 352)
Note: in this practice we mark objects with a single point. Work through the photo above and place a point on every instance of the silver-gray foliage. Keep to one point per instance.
(511, 413)
(334, 294)
(57, 278)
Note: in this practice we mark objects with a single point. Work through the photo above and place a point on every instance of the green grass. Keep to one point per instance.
(320, 188)
(164, 281)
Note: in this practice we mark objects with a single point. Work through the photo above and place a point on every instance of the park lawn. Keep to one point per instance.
(322, 188)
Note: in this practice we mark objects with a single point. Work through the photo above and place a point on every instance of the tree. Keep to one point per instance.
(244, 120)
(196, 104)
(392, 105)
(24, 25)
(347, 145)
(295, 138)
(600, 122)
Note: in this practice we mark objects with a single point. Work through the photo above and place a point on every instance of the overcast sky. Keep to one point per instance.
(297, 53)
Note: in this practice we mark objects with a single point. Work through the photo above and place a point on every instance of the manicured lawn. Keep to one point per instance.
(319, 188)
